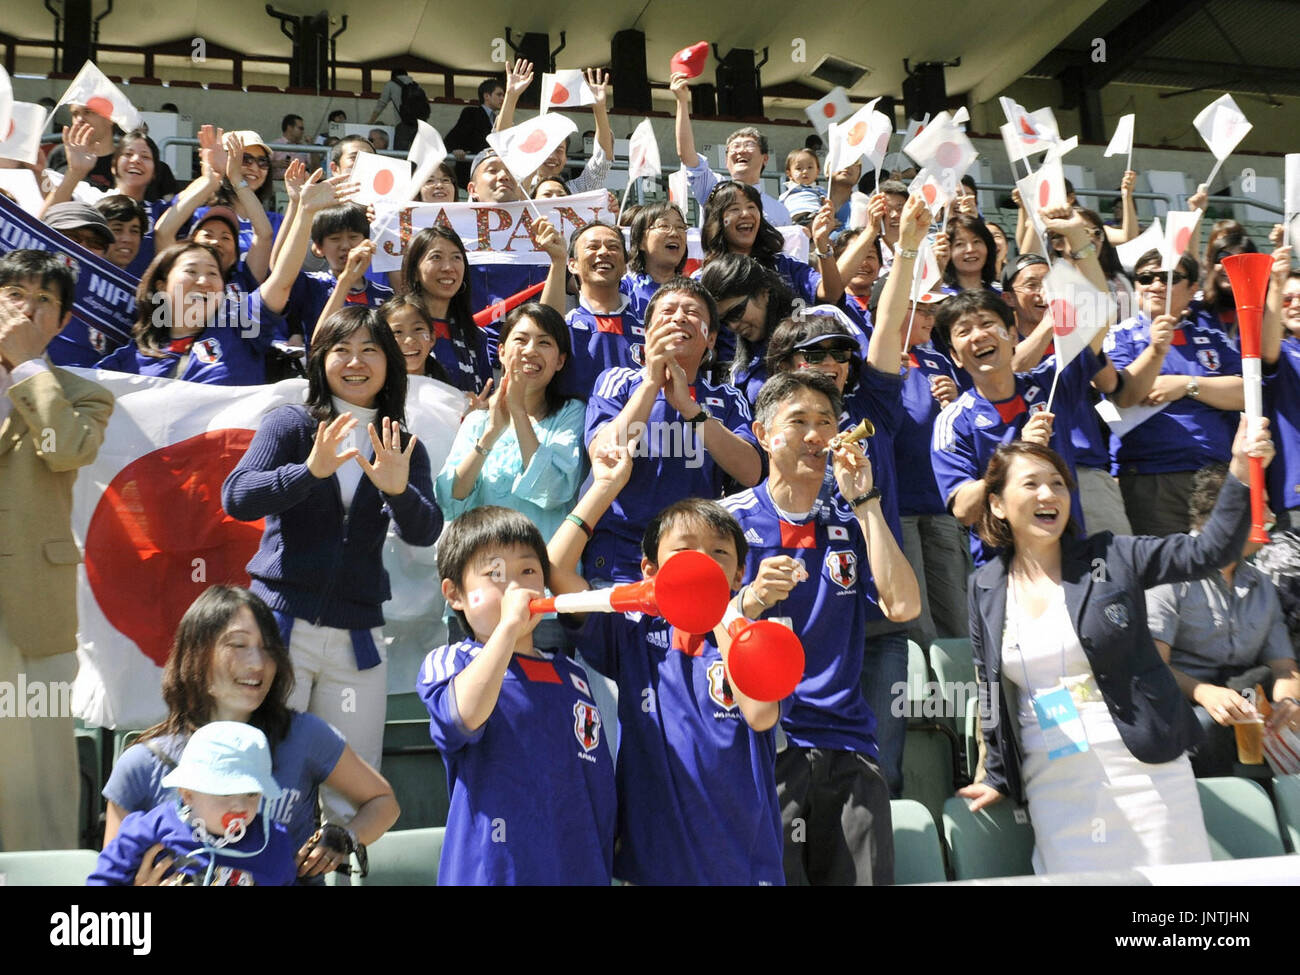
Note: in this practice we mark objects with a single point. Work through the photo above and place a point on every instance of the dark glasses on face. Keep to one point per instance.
(1151, 277)
(261, 162)
(816, 355)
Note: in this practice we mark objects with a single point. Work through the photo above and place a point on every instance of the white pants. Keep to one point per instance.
(328, 685)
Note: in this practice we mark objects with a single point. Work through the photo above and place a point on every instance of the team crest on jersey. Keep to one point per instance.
(843, 568)
(208, 351)
(638, 354)
(586, 725)
(1209, 358)
(1037, 408)
(98, 341)
(230, 877)
(720, 687)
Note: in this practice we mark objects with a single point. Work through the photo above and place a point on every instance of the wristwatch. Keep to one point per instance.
(1193, 388)
(701, 417)
(822, 255)
(1085, 252)
(862, 499)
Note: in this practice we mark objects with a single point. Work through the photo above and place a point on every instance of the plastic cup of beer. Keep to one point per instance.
(1250, 740)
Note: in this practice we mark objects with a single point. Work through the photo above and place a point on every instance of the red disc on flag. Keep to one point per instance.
(829, 109)
(1027, 133)
(1044, 193)
(100, 106)
(559, 94)
(857, 133)
(159, 537)
(1063, 317)
(1181, 238)
(929, 193)
(882, 144)
(534, 142)
(383, 182)
(948, 154)
(9, 134)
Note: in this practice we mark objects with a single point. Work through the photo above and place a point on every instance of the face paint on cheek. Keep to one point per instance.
(778, 441)
(476, 598)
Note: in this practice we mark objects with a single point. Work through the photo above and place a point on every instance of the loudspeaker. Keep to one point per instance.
(627, 71)
(738, 93)
(535, 48)
(924, 91)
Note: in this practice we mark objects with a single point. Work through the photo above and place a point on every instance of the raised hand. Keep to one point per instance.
(612, 465)
(392, 467)
(943, 389)
(1162, 333)
(234, 147)
(325, 458)
(519, 78)
(77, 142)
(358, 261)
(1200, 199)
(319, 193)
(479, 400)
(913, 223)
(549, 240)
(1129, 183)
(295, 177)
(598, 82)
(776, 576)
(852, 470)
(1250, 443)
(1039, 428)
(822, 226)
(680, 86)
(941, 251)
(214, 153)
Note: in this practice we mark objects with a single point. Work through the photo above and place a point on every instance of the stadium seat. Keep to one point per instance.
(412, 766)
(955, 673)
(404, 858)
(989, 843)
(1239, 819)
(407, 707)
(918, 856)
(1286, 797)
(928, 765)
(47, 868)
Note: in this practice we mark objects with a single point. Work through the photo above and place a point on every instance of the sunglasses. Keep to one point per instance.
(261, 162)
(1151, 277)
(816, 355)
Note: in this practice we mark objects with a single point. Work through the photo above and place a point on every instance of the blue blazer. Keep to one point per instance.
(1104, 577)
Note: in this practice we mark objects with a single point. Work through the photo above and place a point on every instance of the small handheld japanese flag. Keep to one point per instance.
(1130, 252)
(1027, 133)
(937, 189)
(22, 134)
(915, 128)
(1045, 187)
(1121, 143)
(93, 89)
(1079, 310)
(1179, 227)
(524, 147)
(6, 101)
(834, 107)
(427, 150)
(1222, 125)
(381, 178)
(679, 190)
(565, 89)
(643, 152)
(942, 147)
(858, 135)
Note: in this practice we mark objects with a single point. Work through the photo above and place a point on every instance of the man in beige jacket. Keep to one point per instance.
(51, 423)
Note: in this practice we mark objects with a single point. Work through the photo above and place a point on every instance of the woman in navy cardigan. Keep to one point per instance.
(326, 477)
(1088, 725)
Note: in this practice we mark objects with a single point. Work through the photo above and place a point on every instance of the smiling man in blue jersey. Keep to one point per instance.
(1196, 381)
(684, 432)
(834, 797)
(1004, 405)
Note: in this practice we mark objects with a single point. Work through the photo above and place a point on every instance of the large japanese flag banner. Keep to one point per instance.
(148, 516)
(493, 233)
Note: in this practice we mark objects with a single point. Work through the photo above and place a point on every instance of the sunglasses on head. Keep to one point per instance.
(818, 353)
(261, 162)
(1151, 277)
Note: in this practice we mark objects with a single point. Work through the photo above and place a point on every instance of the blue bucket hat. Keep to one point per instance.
(225, 758)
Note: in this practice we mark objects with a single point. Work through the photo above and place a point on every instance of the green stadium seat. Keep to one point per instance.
(918, 855)
(989, 843)
(406, 707)
(1239, 818)
(1286, 797)
(413, 767)
(47, 868)
(955, 673)
(928, 765)
(918, 678)
(404, 858)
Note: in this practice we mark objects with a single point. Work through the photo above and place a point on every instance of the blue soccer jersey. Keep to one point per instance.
(311, 293)
(829, 611)
(1187, 434)
(1282, 407)
(858, 309)
(970, 429)
(639, 288)
(490, 283)
(918, 493)
(468, 364)
(696, 786)
(600, 342)
(669, 464)
(532, 790)
(878, 397)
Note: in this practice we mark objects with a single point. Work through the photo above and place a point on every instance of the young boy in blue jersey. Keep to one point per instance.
(697, 793)
(834, 797)
(530, 775)
(217, 833)
(684, 432)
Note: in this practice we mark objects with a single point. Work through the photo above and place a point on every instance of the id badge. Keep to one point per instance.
(1061, 724)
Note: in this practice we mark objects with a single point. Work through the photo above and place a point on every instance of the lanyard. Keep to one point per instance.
(1013, 612)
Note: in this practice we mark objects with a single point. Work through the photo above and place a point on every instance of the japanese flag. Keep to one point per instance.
(148, 516)
(1044, 188)
(834, 107)
(937, 189)
(93, 89)
(927, 268)
(22, 133)
(1131, 252)
(1222, 126)
(1079, 311)
(22, 186)
(1121, 143)
(643, 152)
(524, 147)
(1027, 133)
(565, 89)
(942, 146)
(1179, 227)
(914, 128)
(381, 178)
(679, 190)
(837, 533)
(854, 135)
(6, 100)
(427, 150)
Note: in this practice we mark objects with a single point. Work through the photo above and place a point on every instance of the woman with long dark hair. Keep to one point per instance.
(752, 301)
(656, 252)
(327, 476)
(1089, 727)
(973, 254)
(227, 663)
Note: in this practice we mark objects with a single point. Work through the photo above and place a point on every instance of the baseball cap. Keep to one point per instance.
(223, 213)
(75, 216)
(225, 758)
(690, 60)
(480, 159)
(251, 138)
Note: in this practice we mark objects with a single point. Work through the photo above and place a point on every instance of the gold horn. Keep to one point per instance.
(862, 431)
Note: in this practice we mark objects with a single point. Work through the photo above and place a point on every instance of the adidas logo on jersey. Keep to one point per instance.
(658, 638)
(753, 537)
(983, 420)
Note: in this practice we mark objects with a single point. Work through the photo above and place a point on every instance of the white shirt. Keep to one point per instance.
(350, 474)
